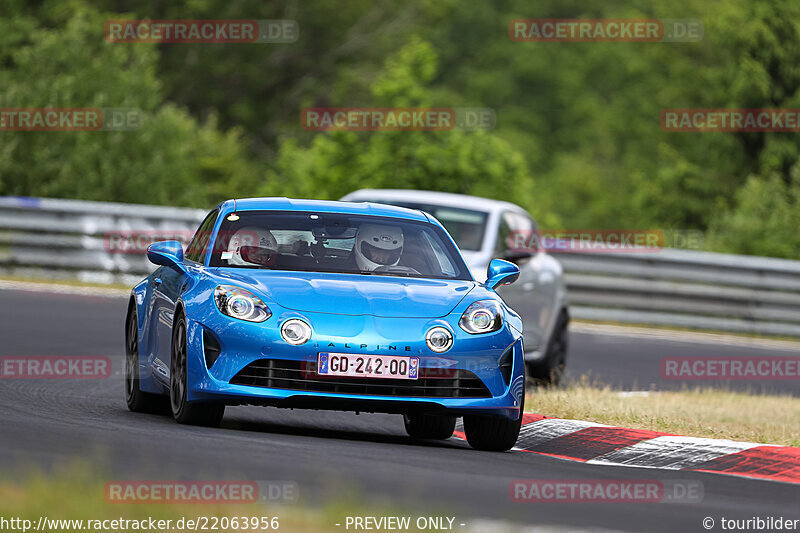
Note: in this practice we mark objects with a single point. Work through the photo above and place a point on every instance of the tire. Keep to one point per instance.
(138, 401)
(437, 427)
(551, 370)
(493, 434)
(185, 412)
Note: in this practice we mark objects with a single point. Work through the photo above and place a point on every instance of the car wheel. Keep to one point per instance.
(185, 412)
(138, 401)
(438, 427)
(493, 434)
(551, 370)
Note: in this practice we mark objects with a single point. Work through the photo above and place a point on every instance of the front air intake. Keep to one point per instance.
(211, 348)
(506, 364)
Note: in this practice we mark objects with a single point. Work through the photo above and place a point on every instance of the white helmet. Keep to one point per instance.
(259, 243)
(378, 245)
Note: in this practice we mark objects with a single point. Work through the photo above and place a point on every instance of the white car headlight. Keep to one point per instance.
(439, 339)
(240, 303)
(295, 331)
(483, 316)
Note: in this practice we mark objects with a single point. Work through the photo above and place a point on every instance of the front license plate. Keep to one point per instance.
(368, 366)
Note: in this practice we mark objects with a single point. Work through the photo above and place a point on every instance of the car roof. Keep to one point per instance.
(433, 198)
(321, 206)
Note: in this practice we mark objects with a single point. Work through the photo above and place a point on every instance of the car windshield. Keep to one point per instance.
(466, 226)
(339, 243)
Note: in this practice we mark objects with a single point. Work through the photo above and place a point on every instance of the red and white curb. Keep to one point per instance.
(600, 444)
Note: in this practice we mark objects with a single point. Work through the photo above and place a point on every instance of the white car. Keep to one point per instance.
(481, 229)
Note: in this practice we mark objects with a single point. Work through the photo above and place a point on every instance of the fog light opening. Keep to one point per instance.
(439, 339)
(295, 331)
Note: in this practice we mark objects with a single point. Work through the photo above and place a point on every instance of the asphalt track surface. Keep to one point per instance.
(331, 455)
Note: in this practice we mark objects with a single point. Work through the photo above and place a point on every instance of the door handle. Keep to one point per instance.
(156, 283)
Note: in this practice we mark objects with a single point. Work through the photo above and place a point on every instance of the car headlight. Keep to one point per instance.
(439, 339)
(241, 303)
(483, 316)
(295, 331)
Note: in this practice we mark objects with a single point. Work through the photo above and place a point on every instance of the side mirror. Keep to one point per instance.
(501, 272)
(166, 253)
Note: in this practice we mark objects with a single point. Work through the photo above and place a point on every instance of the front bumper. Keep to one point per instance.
(244, 343)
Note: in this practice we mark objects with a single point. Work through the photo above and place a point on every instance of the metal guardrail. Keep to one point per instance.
(69, 239)
(681, 288)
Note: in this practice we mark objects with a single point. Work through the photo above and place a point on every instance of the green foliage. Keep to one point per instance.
(578, 139)
(764, 220)
(469, 162)
(171, 159)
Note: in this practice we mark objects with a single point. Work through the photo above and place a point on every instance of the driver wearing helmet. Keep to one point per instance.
(252, 247)
(378, 245)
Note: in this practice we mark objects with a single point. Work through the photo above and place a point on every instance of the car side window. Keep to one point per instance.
(517, 232)
(196, 249)
(445, 266)
(503, 233)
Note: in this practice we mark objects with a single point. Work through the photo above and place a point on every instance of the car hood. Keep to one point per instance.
(351, 294)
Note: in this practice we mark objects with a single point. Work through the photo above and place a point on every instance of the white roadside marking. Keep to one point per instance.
(672, 452)
(636, 393)
(535, 433)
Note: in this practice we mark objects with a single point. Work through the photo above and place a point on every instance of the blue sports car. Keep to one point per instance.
(327, 305)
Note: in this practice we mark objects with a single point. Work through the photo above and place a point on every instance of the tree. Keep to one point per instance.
(172, 159)
(764, 218)
(470, 162)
